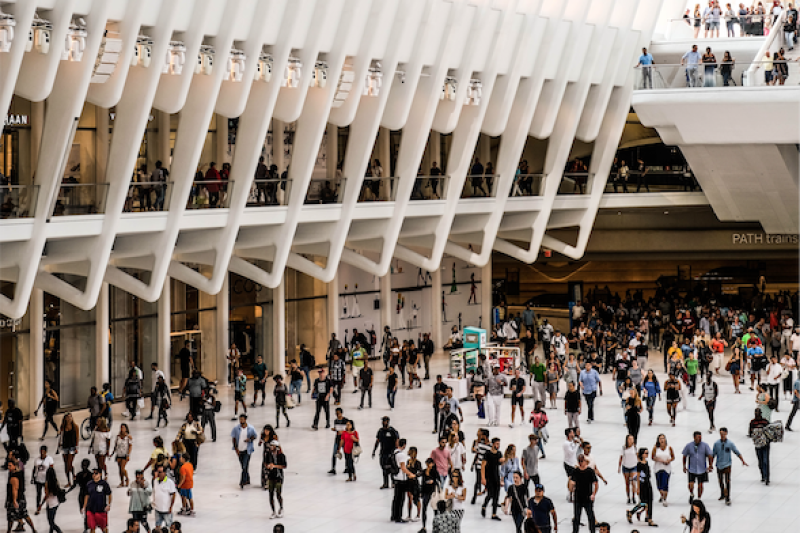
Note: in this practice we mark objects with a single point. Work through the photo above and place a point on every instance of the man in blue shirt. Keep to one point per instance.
(646, 62)
(694, 463)
(590, 381)
(722, 453)
(691, 60)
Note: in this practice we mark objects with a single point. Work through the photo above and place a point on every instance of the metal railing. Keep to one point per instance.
(719, 74)
(430, 188)
(325, 191)
(146, 196)
(18, 201)
(374, 189)
(526, 185)
(269, 191)
(80, 199)
(574, 183)
(653, 179)
(480, 186)
(206, 194)
(724, 27)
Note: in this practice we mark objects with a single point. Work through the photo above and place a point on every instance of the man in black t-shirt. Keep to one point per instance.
(185, 357)
(439, 390)
(365, 379)
(528, 346)
(391, 387)
(517, 396)
(621, 368)
(583, 485)
(97, 502)
(490, 477)
(339, 425)
(322, 389)
(386, 439)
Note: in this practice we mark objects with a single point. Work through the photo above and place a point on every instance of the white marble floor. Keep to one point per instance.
(317, 501)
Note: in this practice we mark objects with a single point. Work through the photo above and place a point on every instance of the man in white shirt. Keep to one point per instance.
(795, 342)
(774, 376)
(787, 325)
(163, 497)
(400, 481)
(577, 313)
(571, 447)
(691, 60)
(559, 344)
(40, 466)
(547, 335)
(156, 373)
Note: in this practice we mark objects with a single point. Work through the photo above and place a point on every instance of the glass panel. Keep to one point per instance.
(148, 196)
(18, 201)
(210, 194)
(80, 199)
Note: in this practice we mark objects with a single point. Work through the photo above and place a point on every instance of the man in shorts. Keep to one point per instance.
(696, 455)
(517, 396)
(97, 502)
(185, 480)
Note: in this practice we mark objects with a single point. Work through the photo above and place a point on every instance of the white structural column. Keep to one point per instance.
(278, 127)
(486, 297)
(221, 137)
(220, 362)
(165, 330)
(164, 128)
(37, 126)
(101, 314)
(436, 308)
(278, 363)
(35, 351)
(386, 300)
(333, 306)
(102, 141)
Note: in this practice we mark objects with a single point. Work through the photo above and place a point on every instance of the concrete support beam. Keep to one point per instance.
(436, 309)
(386, 300)
(278, 361)
(164, 345)
(35, 351)
(222, 342)
(101, 313)
(37, 126)
(102, 142)
(333, 310)
(164, 151)
(486, 296)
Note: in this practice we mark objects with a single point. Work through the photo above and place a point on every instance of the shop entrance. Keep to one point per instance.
(177, 340)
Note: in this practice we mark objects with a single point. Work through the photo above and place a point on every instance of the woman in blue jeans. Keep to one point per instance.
(653, 389)
(296, 382)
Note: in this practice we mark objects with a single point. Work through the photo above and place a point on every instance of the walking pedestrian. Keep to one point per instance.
(242, 437)
(260, 380)
(192, 436)
(280, 391)
(795, 402)
(339, 427)
(695, 455)
(100, 445)
(275, 464)
(41, 465)
(391, 387)
(572, 405)
(663, 456)
(673, 388)
(651, 390)
(322, 393)
(140, 493)
(16, 509)
(761, 443)
(645, 491)
(710, 392)
(590, 383)
(494, 390)
(540, 510)
(50, 402)
(349, 444)
(366, 380)
(307, 363)
(338, 372)
(123, 445)
(386, 442)
(517, 396)
(699, 520)
(163, 497)
(184, 478)
(490, 477)
(722, 453)
(530, 461)
(430, 484)
(53, 494)
(627, 466)
(133, 391)
(239, 392)
(209, 417)
(583, 485)
(538, 371)
(480, 446)
(539, 421)
(400, 475)
(156, 376)
(427, 348)
(774, 377)
(295, 381)
(163, 399)
(97, 502)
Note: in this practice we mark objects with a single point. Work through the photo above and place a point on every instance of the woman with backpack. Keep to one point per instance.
(54, 495)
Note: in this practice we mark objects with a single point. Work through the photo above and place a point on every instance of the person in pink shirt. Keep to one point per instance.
(441, 456)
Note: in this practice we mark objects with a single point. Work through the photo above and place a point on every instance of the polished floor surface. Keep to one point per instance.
(317, 501)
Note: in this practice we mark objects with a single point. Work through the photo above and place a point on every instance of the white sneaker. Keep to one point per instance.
(273, 515)
(280, 513)
(415, 519)
(511, 425)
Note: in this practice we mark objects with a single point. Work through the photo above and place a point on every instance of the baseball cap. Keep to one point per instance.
(539, 486)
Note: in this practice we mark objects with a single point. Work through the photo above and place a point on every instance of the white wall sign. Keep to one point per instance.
(15, 120)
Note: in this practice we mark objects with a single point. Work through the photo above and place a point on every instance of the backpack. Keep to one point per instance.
(22, 450)
(132, 387)
(394, 468)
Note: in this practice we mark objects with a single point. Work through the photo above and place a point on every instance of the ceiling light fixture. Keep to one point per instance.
(292, 73)
(143, 52)
(75, 42)
(374, 82)
(320, 76)
(7, 24)
(474, 92)
(205, 60)
(449, 89)
(234, 69)
(264, 70)
(39, 36)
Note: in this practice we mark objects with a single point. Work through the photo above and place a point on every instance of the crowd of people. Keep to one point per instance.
(698, 339)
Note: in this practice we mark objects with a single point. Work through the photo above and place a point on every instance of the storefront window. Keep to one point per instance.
(14, 339)
(193, 319)
(133, 336)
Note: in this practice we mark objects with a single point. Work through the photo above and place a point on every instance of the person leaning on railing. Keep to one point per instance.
(646, 64)
(691, 60)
